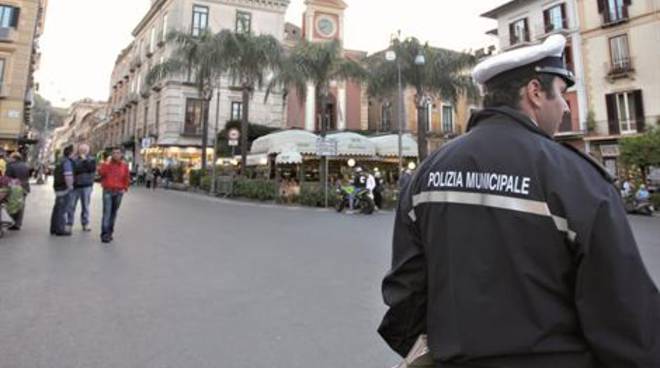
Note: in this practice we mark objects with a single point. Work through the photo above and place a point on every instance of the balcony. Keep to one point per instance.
(4, 90)
(8, 34)
(519, 40)
(621, 68)
(544, 30)
(614, 18)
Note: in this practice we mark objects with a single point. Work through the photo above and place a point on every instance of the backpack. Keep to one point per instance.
(15, 199)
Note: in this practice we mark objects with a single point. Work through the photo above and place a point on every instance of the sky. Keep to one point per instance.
(82, 38)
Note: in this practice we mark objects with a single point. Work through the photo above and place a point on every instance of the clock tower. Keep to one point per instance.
(323, 21)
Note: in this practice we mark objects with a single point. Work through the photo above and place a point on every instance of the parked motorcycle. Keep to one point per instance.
(637, 207)
(362, 200)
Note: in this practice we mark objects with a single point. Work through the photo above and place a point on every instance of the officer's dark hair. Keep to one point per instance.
(68, 150)
(505, 90)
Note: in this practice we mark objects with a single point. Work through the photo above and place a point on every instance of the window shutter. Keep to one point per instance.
(612, 114)
(564, 17)
(512, 34)
(14, 17)
(627, 2)
(639, 110)
(526, 30)
(601, 6)
(546, 21)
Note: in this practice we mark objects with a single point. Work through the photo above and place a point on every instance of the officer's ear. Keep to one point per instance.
(533, 93)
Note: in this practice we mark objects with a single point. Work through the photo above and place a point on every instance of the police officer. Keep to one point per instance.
(511, 250)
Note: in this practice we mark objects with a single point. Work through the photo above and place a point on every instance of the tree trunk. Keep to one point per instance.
(421, 131)
(320, 105)
(205, 133)
(245, 119)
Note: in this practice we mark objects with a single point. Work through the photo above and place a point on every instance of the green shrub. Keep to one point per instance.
(205, 183)
(655, 199)
(177, 174)
(313, 195)
(262, 190)
(390, 199)
(195, 178)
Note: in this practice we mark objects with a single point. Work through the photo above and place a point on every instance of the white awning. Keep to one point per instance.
(255, 160)
(388, 145)
(289, 158)
(353, 144)
(275, 143)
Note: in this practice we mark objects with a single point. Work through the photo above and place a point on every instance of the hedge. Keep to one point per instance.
(262, 190)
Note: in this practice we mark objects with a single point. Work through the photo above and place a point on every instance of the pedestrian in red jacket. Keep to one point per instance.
(115, 179)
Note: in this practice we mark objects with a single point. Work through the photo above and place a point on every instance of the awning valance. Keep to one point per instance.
(256, 159)
(275, 143)
(353, 144)
(388, 145)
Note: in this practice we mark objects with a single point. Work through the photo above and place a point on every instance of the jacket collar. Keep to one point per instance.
(515, 115)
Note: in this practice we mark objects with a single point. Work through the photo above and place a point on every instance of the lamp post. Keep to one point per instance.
(420, 62)
(392, 56)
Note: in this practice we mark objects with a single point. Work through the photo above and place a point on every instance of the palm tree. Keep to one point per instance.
(318, 64)
(250, 60)
(198, 59)
(431, 71)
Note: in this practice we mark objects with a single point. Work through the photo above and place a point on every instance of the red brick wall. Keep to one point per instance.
(572, 100)
(295, 111)
(353, 106)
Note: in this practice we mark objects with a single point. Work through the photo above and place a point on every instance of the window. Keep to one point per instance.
(625, 105)
(164, 35)
(200, 19)
(243, 22)
(555, 18)
(193, 123)
(620, 55)
(386, 118)
(447, 119)
(157, 122)
(568, 58)
(9, 16)
(2, 74)
(625, 112)
(236, 111)
(614, 11)
(152, 40)
(519, 32)
(146, 119)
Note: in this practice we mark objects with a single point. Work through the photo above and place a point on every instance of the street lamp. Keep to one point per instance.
(420, 62)
(391, 56)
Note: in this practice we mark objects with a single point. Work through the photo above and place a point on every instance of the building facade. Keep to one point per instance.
(78, 127)
(621, 40)
(21, 24)
(166, 120)
(347, 105)
(526, 22)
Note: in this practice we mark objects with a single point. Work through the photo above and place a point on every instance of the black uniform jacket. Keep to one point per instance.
(511, 250)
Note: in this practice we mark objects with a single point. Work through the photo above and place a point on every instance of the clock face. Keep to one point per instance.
(326, 26)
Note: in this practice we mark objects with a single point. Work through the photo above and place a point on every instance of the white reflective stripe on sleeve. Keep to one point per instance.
(495, 201)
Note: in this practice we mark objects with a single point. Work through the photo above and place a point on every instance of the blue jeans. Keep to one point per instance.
(59, 218)
(111, 203)
(84, 195)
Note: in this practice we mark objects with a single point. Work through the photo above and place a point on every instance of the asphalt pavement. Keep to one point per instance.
(192, 281)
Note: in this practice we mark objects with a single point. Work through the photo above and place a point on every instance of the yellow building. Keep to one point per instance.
(621, 50)
(21, 24)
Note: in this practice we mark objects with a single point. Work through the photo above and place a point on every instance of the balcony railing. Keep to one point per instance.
(620, 68)
(541, 31)
(8, 34)
(518, 39)
(613, 18)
